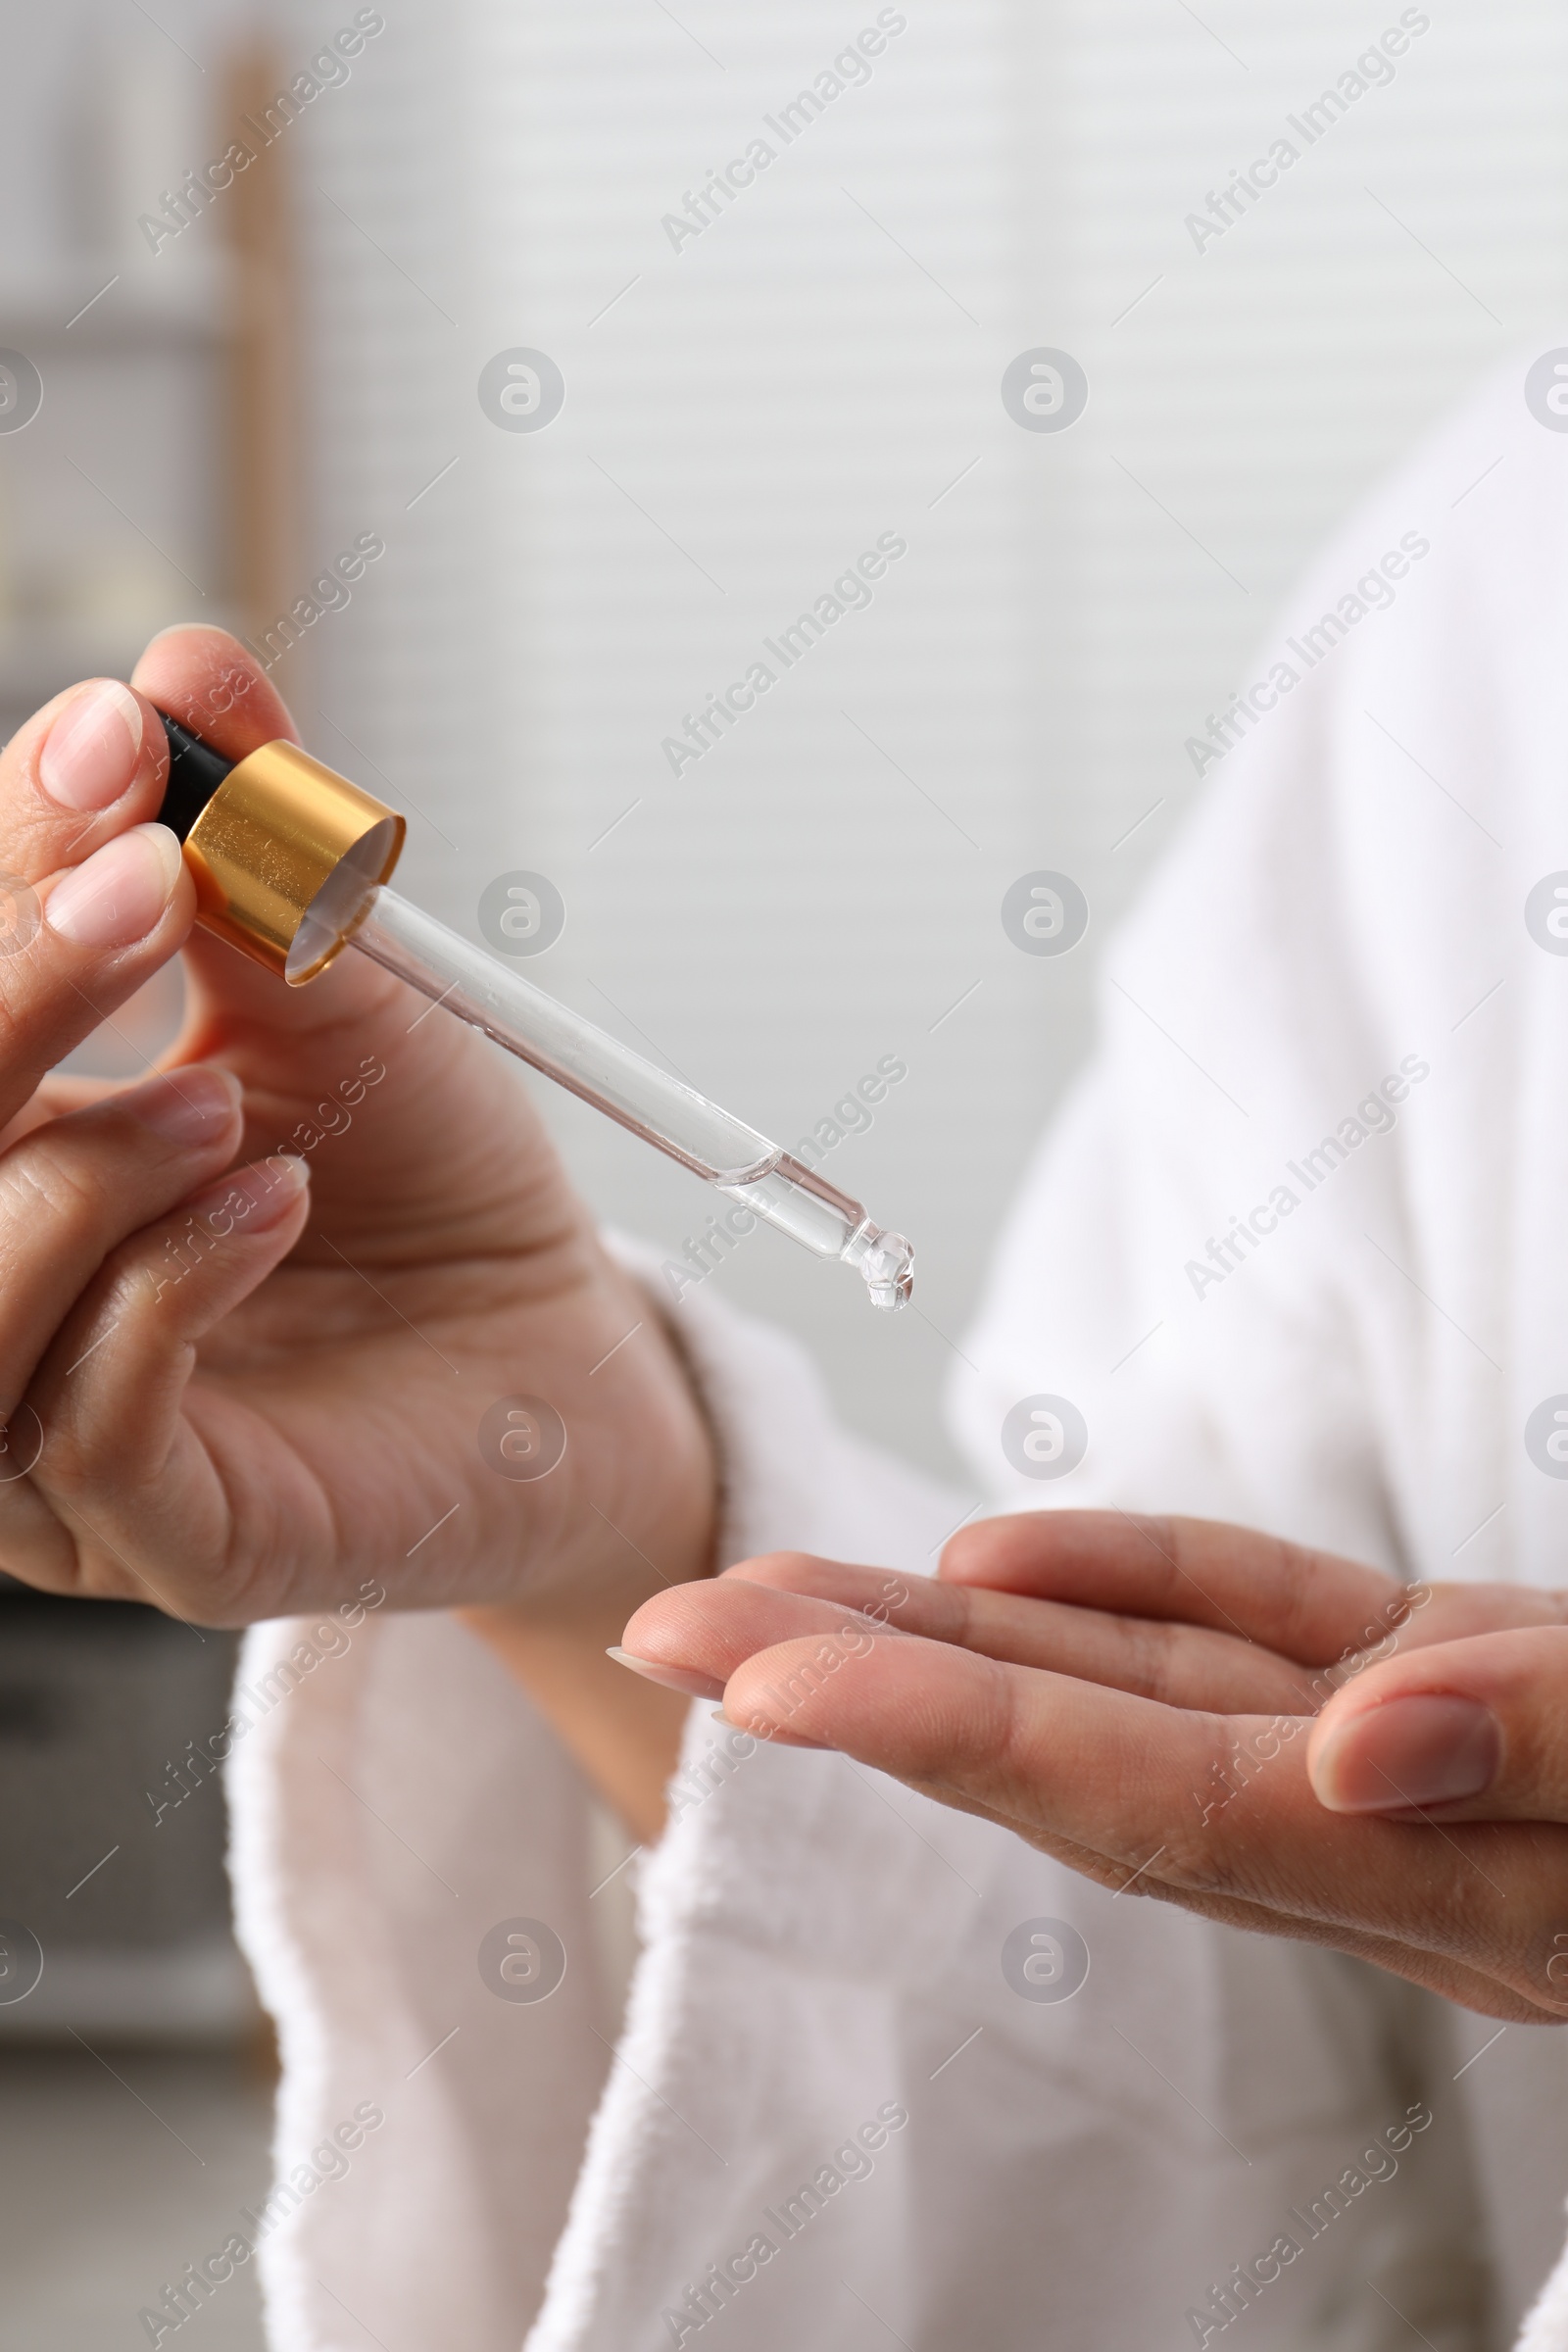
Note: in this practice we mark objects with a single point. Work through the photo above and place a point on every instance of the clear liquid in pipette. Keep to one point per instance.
(732, 1157)
(789, 1196)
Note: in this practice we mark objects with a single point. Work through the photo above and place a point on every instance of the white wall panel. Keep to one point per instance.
(749, 411)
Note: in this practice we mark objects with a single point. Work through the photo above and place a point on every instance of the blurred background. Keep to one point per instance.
(210, 393)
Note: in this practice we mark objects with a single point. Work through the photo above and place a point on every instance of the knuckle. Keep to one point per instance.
(1153, 1648)
(15, 1045)
(785, 1569)
(127, 1283)
(952, 1613)
(1205, 1852)
(976, 1544)
(1169, 1538)
(1462, 1916)
(992, 1744)
(1290, 1592)
(1199, 1855)
(94, 1449)
(41, 1183)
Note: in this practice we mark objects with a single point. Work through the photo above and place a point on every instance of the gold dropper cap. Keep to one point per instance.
(284, 855)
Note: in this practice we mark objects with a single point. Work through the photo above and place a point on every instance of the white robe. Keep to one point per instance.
(823, 1948)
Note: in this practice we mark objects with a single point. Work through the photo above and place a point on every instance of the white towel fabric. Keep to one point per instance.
(821, 1998)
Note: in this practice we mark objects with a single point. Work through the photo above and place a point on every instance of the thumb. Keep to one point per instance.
(1471, 1731)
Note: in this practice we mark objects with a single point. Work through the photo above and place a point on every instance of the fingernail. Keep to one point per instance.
(254, 1200)
(672, 1677)
(1411, 1751)
(90, 754)
(188, 1107)
(120, 893)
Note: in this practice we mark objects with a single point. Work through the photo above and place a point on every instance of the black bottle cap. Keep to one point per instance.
(195, 771)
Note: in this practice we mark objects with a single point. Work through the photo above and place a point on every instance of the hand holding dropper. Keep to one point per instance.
(291, 861)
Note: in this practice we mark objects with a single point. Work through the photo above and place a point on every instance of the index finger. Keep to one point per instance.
(207, 680)
(93, 892)
(1312, 1606)
(1182, 1665)
(214, 686)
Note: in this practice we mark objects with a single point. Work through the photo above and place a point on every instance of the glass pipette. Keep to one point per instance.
(290, 863)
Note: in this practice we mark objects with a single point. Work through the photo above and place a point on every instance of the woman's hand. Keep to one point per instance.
(1275, 1738)
(253, 1316)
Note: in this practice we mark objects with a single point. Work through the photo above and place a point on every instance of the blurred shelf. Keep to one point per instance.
(111, 1856)
(196, 1994)
(104, 303)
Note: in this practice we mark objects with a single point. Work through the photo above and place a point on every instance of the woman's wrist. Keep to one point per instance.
(661, 1529)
